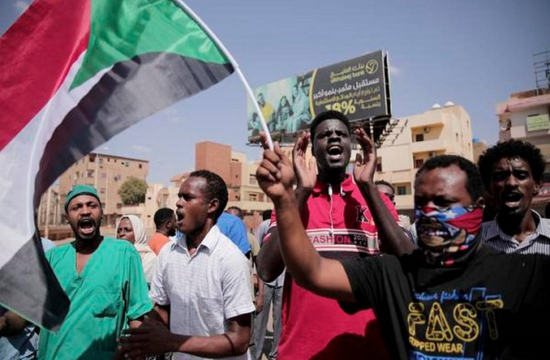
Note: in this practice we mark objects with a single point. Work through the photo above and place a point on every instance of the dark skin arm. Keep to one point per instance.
(270, 261)
(154, 338)
(393, 238)
(323, 276)
(11, 324)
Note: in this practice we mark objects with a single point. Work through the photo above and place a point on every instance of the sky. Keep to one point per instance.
(473, 53)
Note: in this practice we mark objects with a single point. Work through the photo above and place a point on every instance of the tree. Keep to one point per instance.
(133, 191)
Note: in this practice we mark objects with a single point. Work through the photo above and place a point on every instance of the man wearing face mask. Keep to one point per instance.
(512, 173)
(454, 297)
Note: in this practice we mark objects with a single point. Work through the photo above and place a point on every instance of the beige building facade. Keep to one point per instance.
(526, 116)
(414, 139)
(106, 173)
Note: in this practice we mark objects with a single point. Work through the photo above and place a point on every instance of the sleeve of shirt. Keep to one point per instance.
(138, 300)
(364, 275)
(238, 235)
(158, 292)
(236, 287)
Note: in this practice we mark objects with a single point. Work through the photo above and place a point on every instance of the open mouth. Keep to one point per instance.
(87, 226)
(512, 199)
(179, 218)
(334, 151)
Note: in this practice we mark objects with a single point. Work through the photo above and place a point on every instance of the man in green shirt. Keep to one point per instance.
(104, 280)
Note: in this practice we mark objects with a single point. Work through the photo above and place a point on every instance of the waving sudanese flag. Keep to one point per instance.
(74, 73)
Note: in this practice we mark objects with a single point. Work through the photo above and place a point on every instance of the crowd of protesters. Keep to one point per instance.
(346, 278)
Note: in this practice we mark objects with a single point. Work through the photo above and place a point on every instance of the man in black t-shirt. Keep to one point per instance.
(453, 298)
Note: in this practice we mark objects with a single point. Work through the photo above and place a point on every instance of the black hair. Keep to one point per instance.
(328, 115)
(384, 182)
(237, 209)
(266, 214)
(474, 185)
(162, 215)
(508, 150)
(215, 188)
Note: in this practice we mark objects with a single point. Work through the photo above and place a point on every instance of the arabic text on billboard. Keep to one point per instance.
(357, 87)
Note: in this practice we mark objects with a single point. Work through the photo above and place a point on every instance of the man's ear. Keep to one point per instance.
(213, 206)
(480, 202)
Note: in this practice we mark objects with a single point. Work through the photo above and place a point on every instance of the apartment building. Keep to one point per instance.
(414, 139)
(525, 116)
(107, 173)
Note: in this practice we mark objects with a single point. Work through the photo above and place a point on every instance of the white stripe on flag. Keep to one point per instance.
(20, 159)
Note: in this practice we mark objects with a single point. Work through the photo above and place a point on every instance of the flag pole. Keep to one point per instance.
(181, 4)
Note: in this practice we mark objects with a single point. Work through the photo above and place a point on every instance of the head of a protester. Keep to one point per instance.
(165, 221)
(130, 228)
(201, 200)
(235, 210)
(266, 214)
(330, 133)
(84, 212)
(512, 172)
(386, 188)
(448, 209)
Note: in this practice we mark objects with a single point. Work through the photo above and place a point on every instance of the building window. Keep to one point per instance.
(102, 190)
(91, 173)
(379, 164)
(401, 190)
(252, 179)
(253, 197)
(100, 160)
(418, 163)
(419, 137)
(140, 166)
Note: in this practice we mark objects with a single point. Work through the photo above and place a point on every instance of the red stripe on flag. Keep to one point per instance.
(36, 54)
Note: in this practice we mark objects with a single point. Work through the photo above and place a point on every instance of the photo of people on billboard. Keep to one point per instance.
(357, 87)
(285, 106)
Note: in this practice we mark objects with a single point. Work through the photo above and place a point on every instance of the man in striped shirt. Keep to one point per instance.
(512, 173)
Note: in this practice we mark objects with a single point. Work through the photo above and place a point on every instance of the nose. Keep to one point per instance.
(512, 181)
(180, 203)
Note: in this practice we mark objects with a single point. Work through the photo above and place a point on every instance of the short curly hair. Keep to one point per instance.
(510, 149)
(162, 215)
(474, 185)
(385, 183)
(215, 188)
(328, 115)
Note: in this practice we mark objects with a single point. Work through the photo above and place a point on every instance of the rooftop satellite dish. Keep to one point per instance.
(449, 103)
(436, 106)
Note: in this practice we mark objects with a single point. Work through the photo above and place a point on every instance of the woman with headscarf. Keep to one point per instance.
(130, 228)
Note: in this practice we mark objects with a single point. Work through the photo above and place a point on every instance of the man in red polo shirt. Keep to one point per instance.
(340, 225)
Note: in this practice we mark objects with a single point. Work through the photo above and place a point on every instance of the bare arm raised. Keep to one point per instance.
(392, 236)
(323, 276)
(270, 261)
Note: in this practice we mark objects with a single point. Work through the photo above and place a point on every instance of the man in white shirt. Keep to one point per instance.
(201, 288)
